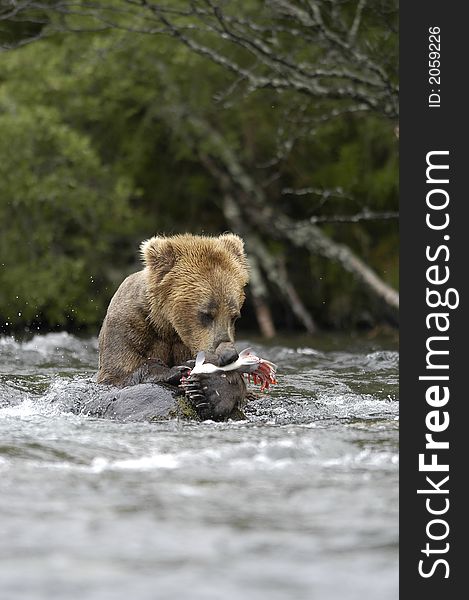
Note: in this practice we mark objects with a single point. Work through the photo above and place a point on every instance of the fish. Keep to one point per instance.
(261, 371)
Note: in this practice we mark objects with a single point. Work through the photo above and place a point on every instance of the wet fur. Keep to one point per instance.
(155, 313)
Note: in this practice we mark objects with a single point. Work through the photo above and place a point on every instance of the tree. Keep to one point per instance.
(279, 123)
(56, 199)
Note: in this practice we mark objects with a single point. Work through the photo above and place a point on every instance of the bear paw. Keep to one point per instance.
(215, 395)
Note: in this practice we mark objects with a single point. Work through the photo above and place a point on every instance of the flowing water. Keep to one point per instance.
(297, 502)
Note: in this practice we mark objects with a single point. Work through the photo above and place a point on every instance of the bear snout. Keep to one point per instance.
(226, 353)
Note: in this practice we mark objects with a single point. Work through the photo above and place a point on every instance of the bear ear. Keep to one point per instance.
(234, 244)
(158, 254)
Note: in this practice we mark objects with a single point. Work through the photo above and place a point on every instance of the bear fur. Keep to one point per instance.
(185, 299)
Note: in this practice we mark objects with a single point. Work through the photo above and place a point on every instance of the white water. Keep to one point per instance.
(299, 501)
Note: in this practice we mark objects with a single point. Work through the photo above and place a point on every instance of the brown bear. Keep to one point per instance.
(186, 299)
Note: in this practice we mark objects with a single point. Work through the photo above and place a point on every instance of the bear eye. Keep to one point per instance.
(206, 318)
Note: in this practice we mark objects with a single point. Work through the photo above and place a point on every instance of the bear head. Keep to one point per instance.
(196, 287)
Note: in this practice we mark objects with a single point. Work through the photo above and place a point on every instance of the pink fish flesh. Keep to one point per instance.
(260, 370)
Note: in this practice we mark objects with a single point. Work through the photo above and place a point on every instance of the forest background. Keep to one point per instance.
(277, 120)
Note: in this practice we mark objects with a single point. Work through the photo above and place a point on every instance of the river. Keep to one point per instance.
(300, 501)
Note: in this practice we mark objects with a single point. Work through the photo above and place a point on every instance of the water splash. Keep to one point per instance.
(305, 488)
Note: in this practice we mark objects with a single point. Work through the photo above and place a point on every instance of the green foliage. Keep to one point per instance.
(97, 152)
(55, 202)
